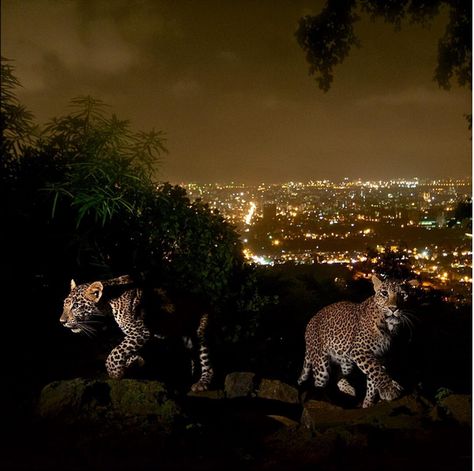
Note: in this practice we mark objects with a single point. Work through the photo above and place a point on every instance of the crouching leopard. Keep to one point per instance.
(356, 334)
(121, 298)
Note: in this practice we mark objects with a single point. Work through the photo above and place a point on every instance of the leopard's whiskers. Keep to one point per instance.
(408, 323)
(88, 329)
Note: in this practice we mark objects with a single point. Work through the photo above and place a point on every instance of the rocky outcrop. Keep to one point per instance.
(126, 401)
(246, 384)
(211, 395)
(255, 424)
(411, 425)
(278, 391)
(458, 407)
(406, 413)
(149, 403)
(239, 384)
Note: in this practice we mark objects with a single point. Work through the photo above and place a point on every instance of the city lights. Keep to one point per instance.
(249, 215)
(334, 223)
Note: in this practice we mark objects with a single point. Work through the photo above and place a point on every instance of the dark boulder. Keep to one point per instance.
(278, 391)
(458, 407)
(408, 412)
(125, 401)
(240, 384)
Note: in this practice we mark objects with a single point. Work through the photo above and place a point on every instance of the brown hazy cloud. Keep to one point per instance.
(228, 84)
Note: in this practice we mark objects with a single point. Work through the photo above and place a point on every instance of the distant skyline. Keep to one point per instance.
(408, 180)
(228, 84)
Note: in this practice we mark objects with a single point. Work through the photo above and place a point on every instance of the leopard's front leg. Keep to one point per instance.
(378, 381)
(125, 354)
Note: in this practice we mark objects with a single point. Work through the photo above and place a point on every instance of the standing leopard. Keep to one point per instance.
(120, 298)
(349, 333)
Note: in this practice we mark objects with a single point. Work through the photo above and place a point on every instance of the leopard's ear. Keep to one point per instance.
(94, 291)
(73, 285)
(376, 282)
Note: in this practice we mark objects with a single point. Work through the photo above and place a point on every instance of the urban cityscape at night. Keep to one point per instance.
(237, 235)
(353, 221)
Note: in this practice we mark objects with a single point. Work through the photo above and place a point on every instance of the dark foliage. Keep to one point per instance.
(327, 38)
(83, 203)
(16, 122)
(80, 201)
(463, 210)
(390, 263)
(435, 353)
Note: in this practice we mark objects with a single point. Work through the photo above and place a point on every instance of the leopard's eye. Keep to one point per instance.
(384, 293)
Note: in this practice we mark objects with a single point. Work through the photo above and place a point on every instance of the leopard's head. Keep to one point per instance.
(82, 307)
(391, 296)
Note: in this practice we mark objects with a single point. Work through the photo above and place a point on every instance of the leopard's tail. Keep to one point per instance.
(120, 280)
(207, 372)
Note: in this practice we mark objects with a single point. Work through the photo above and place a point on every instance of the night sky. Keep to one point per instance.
(229, 85)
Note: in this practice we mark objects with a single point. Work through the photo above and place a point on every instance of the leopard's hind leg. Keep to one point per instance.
(320, 366)
(306, 371)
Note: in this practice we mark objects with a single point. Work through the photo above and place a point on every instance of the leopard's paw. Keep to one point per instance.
(135, 360)
(390, 391)
(200, 386)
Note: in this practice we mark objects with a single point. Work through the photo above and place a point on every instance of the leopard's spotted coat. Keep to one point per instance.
(356, 334)
(90, 301)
